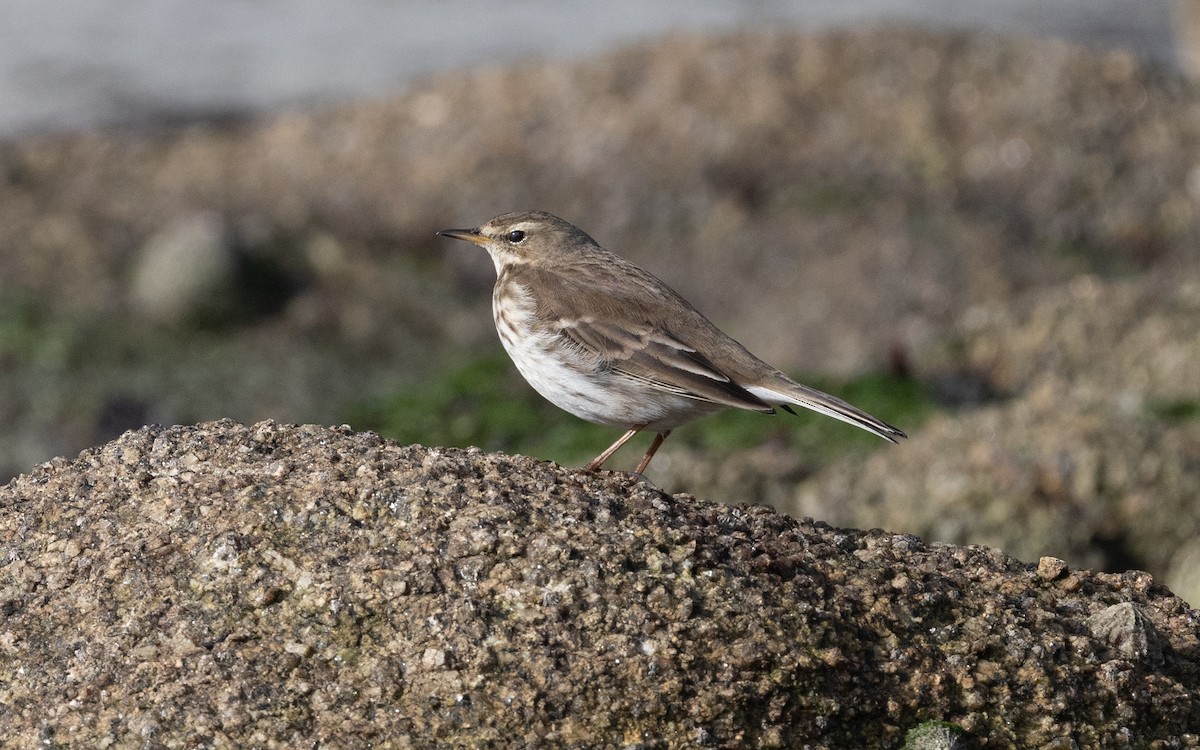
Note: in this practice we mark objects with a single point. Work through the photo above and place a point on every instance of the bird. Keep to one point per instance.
(611, 343)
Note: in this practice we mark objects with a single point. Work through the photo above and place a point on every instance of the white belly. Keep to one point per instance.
(583, 385)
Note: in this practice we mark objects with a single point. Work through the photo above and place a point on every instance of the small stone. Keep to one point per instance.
(934, 735)
(1051, 568)
(433, 658)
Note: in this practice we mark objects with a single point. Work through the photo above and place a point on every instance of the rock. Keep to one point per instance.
(1185, 19)
(1051, 568)
(1124, 627)
(1126, 343)
(187, 271)
(1082, 461)
(934, 735)
(225, 585)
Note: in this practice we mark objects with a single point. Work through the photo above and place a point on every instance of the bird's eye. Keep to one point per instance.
(515, 236)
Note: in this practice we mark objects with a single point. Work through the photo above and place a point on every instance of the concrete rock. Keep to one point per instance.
(231, 586)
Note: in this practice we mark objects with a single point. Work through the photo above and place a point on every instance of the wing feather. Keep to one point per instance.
(659, 359)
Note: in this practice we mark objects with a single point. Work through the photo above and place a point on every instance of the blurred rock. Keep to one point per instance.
(119, 414)
(285, 586)
(1186, 20)
(1081, 464)
(826, 197)
(187, 271)
(1130, 344)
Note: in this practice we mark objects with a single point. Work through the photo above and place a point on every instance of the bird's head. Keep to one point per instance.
(525, 237)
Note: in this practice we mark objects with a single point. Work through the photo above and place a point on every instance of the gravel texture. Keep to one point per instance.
(279, 586)
(1073, 457)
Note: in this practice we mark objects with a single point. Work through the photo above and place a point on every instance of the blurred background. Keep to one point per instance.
(72, 64)
(979, 221)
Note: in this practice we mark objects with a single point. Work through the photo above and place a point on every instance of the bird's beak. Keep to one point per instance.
(470, 235)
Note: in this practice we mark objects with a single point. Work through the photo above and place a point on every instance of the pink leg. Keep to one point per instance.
(658, 440)
(598, 461)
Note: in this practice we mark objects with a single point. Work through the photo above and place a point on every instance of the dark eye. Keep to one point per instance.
(515, 236)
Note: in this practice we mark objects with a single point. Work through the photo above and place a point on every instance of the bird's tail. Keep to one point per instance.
(785, 392)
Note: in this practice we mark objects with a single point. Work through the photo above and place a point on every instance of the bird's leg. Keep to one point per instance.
(658, 440)
(598, 461)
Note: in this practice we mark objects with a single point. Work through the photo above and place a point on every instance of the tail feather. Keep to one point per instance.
(791, 392)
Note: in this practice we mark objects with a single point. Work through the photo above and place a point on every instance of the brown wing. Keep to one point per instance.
(631, 338)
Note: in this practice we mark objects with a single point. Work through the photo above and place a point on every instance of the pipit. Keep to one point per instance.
(610, 343)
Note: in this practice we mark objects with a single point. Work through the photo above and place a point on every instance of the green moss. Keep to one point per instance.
(487, 404)
(27, 336)
(48, 358)
(1179, 410)
(825, 198)
(899, 401)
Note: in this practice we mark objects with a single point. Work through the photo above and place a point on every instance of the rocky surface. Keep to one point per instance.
(232, 586)
(1079, 455)
(1014, 222)
(1085, 460)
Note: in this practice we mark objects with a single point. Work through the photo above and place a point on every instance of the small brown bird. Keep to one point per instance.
(610, 343)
